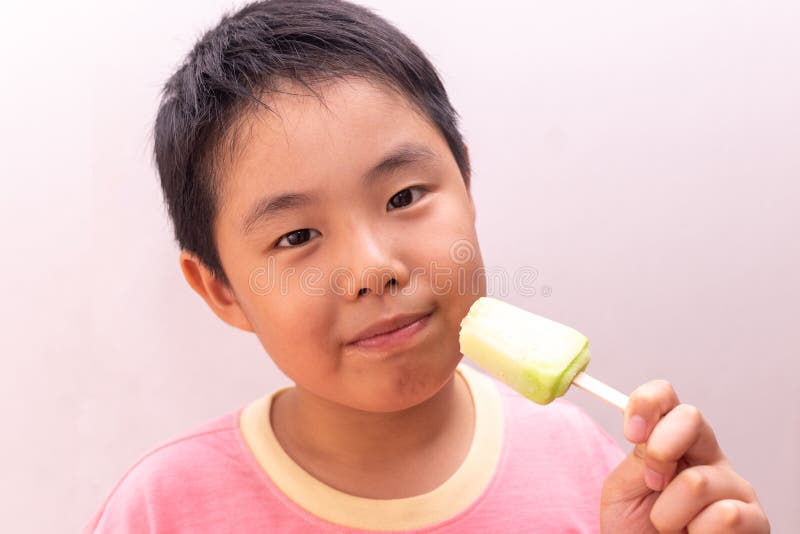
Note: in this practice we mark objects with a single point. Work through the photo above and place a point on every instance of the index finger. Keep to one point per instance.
(683, 435)
(646, 406)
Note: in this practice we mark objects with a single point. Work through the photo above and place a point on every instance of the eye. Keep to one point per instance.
(296, 238)
(405, 197)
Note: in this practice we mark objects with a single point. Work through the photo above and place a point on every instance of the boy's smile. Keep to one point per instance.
(337, 222)
(387, 334)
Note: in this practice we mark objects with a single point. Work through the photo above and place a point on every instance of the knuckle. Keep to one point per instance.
(658, 454)
(655, 390)
(750, 490)
(763, 520)
(647, 394)
(662, 385)
(731, 515)
(691, 414)
(659, 520)
(697, 481)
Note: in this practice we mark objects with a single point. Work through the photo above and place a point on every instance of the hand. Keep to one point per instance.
(676, 479)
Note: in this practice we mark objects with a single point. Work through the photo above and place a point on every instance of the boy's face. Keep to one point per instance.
(353, 245)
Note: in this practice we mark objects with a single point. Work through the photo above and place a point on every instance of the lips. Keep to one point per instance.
(388, 325)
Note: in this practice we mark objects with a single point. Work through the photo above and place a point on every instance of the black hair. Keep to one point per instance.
(249, 53)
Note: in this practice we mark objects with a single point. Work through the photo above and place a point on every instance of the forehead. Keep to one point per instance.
(308, 142)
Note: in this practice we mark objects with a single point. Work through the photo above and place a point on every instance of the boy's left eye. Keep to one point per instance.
(404, 197)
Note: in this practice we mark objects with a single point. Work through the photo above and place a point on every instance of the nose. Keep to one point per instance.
(372, 266)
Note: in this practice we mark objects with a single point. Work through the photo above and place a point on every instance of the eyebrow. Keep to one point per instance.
(402, 155)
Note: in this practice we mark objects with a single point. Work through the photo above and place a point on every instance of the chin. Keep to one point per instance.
(404, 388)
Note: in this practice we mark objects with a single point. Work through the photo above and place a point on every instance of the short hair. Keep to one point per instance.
(247, 54)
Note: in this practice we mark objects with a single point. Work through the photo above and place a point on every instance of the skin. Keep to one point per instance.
(398, 423)
(677, 478)
(355, 419)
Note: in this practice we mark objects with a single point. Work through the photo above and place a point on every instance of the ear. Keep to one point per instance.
(472, 210)
(219, 297)
(468, 177)
(468, 183)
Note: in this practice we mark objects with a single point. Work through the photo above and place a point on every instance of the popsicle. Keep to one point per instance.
(534, 355)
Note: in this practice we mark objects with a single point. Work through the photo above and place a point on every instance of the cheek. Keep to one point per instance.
(444, 234)
(466, 285)
(295, 330)
(450, 267)
(449, 254)
(463, 280)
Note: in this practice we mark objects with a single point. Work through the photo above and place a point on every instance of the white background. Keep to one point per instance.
(643, 157)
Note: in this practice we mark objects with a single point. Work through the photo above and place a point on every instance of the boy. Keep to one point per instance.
(319, 187)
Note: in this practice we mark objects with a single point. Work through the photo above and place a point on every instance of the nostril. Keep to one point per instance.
(365, 290)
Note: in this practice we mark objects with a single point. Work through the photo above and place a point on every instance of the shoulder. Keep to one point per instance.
(194, 462)
(561, 428)
(184, 455)
(554, 458)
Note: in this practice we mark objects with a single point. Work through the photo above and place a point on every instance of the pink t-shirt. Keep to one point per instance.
(531, 468)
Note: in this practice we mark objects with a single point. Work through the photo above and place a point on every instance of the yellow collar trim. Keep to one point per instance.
(451, 497)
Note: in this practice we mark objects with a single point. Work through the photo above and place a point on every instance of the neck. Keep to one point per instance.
(369, 441)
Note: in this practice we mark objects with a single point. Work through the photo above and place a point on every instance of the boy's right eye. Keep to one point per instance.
(295, 238)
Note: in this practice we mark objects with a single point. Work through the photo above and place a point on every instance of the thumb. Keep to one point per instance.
(626, 481)
(626, 500)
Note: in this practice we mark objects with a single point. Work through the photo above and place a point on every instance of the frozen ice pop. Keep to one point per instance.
(534, 355)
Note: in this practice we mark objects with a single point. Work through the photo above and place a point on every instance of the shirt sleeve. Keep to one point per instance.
(124, 510)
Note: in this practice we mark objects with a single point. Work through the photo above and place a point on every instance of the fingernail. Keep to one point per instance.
(654, 480)
(636, 429)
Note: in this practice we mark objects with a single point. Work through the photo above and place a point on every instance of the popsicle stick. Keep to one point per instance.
(601, 391)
